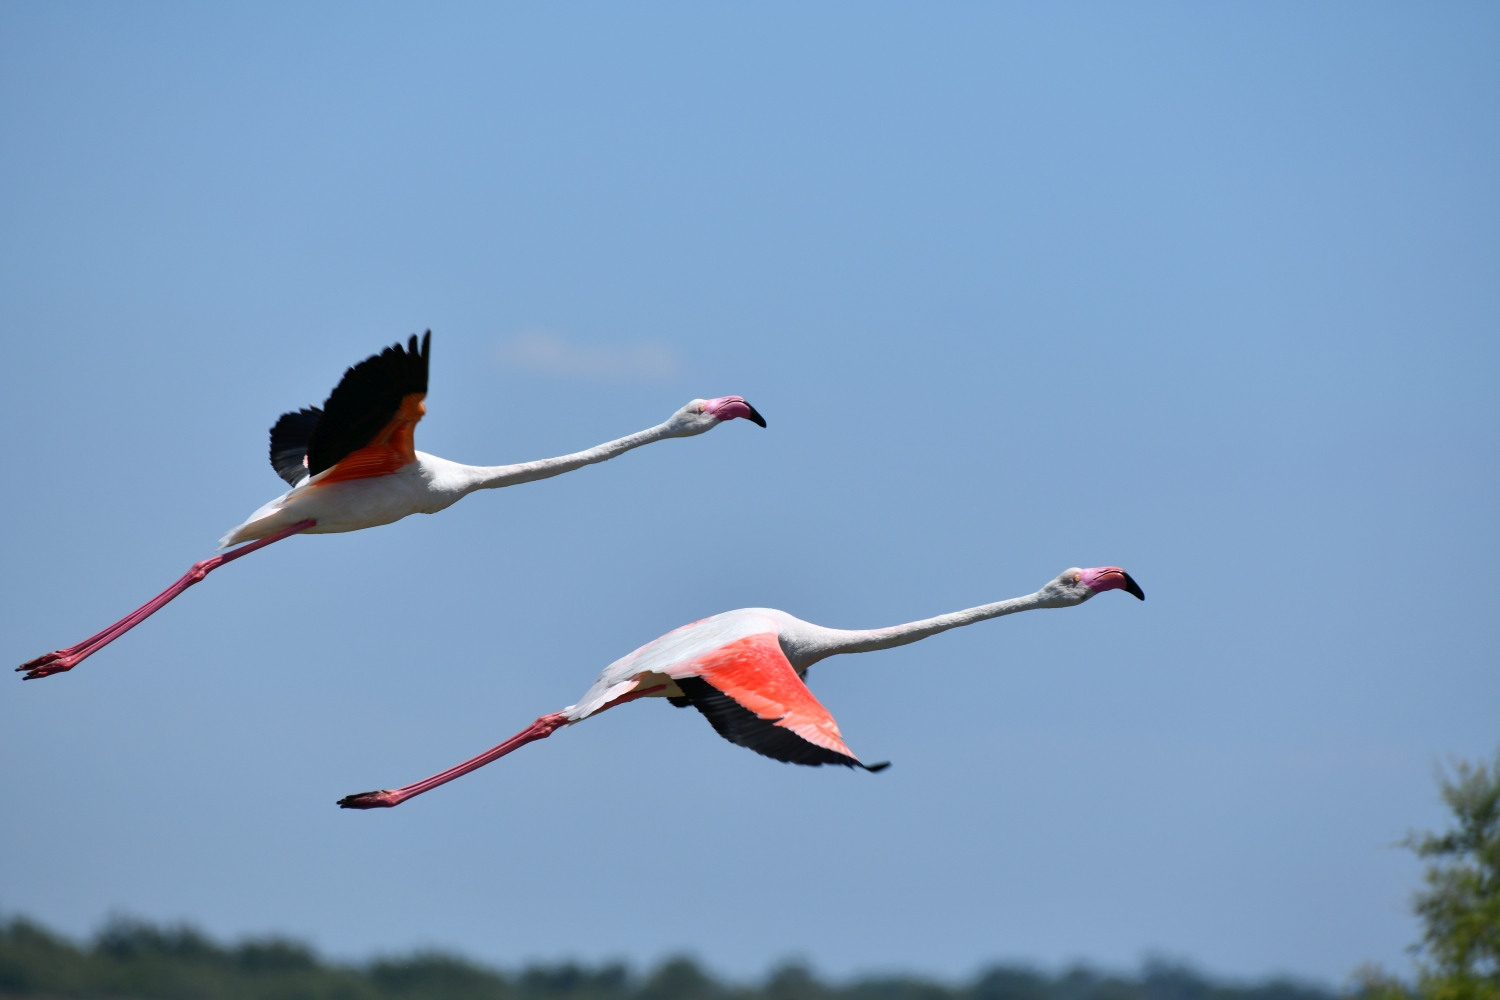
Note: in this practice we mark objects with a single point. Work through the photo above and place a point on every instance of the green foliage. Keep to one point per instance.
(1460, 908)
(130, 960)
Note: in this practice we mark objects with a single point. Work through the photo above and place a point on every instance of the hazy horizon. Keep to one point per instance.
(1146, 965)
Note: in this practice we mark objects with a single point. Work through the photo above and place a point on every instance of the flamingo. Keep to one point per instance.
(352, 465)
(745, 671)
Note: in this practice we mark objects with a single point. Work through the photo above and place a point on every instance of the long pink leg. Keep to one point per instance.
(66, 659)
(538, 730)
(384, 799)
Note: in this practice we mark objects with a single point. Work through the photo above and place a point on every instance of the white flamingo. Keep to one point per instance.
(744, 670)
(352, 465)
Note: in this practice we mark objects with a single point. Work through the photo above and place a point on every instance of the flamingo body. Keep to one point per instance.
(425, 485)
(669, 656)
(352, 464)
(745, 672)
(741, 671)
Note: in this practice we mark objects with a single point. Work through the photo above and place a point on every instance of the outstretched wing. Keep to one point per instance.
(367, 424)
(375, 406)
(749, 693)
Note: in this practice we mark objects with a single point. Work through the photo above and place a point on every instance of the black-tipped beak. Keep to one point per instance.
(1131, 587)
(755, 416)
(876, 768)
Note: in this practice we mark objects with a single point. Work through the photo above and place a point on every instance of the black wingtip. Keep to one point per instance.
(1131, 587)
(876, 768)
(425, 348)
(755, 416)
(290, 437)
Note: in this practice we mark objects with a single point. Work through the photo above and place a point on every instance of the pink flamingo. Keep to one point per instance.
(352, 465)
(744, 671)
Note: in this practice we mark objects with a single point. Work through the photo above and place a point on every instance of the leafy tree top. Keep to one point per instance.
(1460, 905)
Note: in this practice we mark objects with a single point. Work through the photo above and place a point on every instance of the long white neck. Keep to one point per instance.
(495, 476)
(806, 644)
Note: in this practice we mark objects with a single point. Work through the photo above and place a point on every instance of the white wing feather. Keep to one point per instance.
(671, 655)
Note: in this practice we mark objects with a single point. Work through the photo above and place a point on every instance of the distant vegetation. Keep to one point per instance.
(1459, 957)
(138, 961)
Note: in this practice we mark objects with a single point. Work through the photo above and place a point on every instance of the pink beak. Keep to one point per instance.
(1111, 578)
(729, 407)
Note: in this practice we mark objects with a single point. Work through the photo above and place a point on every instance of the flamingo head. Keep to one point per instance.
(705, 414)
(1077, 585)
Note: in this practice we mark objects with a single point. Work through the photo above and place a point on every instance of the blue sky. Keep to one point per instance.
(1208, 292)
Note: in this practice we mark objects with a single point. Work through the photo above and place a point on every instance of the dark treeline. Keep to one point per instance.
(129, 960)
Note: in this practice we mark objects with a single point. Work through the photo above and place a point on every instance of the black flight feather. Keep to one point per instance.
(365, 400)
(289, 440)
(310, 440)
(740, 726)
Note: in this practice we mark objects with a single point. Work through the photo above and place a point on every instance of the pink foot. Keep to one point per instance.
(369, 800)
(45, 666)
